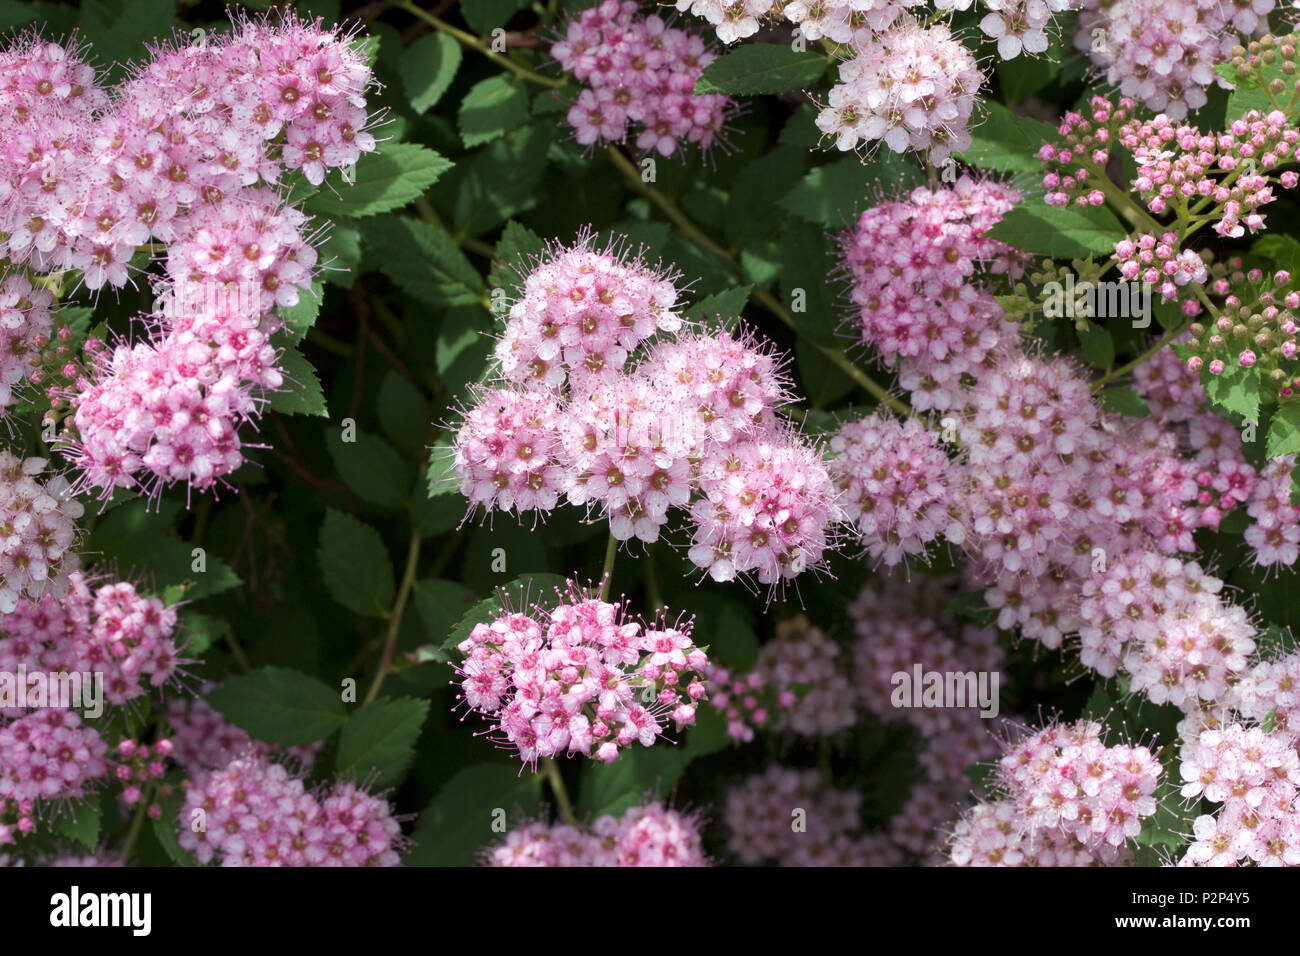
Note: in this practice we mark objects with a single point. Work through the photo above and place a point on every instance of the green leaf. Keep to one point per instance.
(1281, 249)
(1236, 389)
(502, 178)
(379, 740)
(733, 641)
(404, 414)
(1071, 232)
(1026, 75)
(1098, 347)
(301, 393)
(1284, 430)
(823, 383)
(200, 631)
(486, 15)
(340, 257)
(983, 777)
(1229, 73)
(385, 180)
(442, 478)
(441, 604)
(1007, 142)
(492, 108)
(613, 788)
(81, 823)
(140, 540)
(808, 261)
(299, 319)
(722, 307)
(428, 67)
(424, 261)
(432, 515)
(117, 38)
(1124, 401)
(355, 565)
(831, 194)
(370, 467)
(1099, 705)
(459, 823)
(516, 250)
(1170, 826)
(164, 828)
(760, 68)
(280, 706)
(524, 591)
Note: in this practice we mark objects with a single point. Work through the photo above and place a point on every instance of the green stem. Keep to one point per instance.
(329, 343)
(669, 208)
(137, 821)
(474, 43)
(652, 592)
(1123, 202)
(551, 771)
(237, 651)
(764, 298)
(607, 572)
(395, 618)
(1164, 340)
(430, 215)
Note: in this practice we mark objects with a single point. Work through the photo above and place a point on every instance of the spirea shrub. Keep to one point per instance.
(825, 433)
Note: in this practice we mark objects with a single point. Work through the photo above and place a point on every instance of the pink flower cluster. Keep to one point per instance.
(912, 87)
(1156, 260)
(898, 629)
(788, 817)
(693, 426)
(1256, 328)
(25, 326)
(1164, 54)
(1016, 25)
(168, 410)
(87, 176)
(1177, 166)
(109, 629)
(733, 19)
(1056, 500)
(1163, 622)
(580, 678)
(38, 529)
(649, 835)
(1065, 778)
(139, 764)
(1255, 776)
(48, 756)
(994, 834)
(187, 153)
(581, 313)
(746, 701)
(204, 740)
(1086, 139)
(638, 71)
(1274, 535)
(911, 266)
(803, 663)
(255, 813)
(850, 22)
(894, 476)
